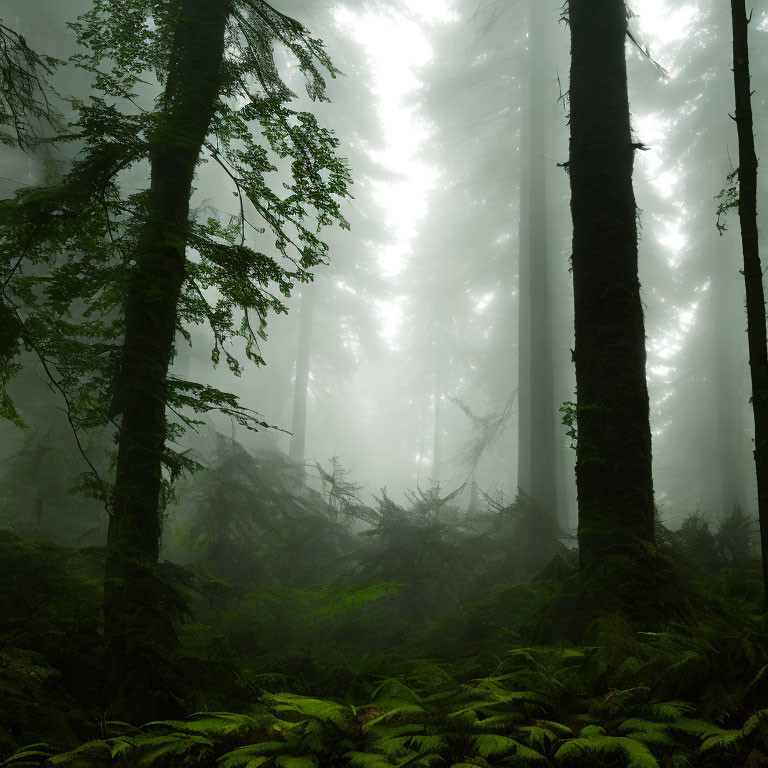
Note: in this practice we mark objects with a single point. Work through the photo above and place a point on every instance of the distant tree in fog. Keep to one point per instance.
(536, 455)
(24, 105)
(24, 113)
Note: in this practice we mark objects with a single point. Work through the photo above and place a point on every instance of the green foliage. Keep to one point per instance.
(728, 199)
(50, 614)
(34, 501)
(333, 656)
(569, 410)
(67, 249)
(301, 662)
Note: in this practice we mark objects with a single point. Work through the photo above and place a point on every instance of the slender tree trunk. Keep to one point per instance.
(475, 497)
(613, 458)
(437, 438)
(297, 446)
(727, 406)
(753, 273)
(536, 421)
(135, 623)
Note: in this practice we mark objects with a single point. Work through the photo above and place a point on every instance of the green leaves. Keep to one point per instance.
(67, 249)
(635, 754)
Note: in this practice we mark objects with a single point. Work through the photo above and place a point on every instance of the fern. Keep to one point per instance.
(636, 754)
(30, 756)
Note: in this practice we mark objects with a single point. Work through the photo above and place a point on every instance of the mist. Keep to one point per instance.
(323, 342)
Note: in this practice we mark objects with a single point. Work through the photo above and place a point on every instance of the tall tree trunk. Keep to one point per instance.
(536, 421)
(297, 445)
(613, 457)
(135, 627)
(437, 437)
(725, 360)
(753, 273)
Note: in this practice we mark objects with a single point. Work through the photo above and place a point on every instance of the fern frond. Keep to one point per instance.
(173, 745)
(755, 721)
(231, 760)
(301, 761)
(394, 747)
(669, 710)
(367, 760)
(320, 709)
(636, 755)
(398, 714)
(712, 735)
(393, 693)
(525, 756)
(30, 756)
(721, 739)
(428, 743)
(493, 745)
(422, 761)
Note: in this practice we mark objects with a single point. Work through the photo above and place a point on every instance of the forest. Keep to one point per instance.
(383, 384)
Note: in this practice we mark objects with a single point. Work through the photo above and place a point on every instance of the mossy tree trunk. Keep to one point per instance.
(613, 458)
(753, 272)
(134, 624)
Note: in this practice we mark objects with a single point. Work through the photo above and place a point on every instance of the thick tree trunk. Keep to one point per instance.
(753, 273)
(536, 407)
(613, 458)
(297, 445)
(135, 623)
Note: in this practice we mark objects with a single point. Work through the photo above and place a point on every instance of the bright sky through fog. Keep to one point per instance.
(662, 20)
(658, 23)
(397, 46)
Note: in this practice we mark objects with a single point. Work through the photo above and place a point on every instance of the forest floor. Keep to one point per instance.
(403, 662)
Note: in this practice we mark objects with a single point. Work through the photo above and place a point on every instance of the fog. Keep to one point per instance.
(294, 297)
(427, 320)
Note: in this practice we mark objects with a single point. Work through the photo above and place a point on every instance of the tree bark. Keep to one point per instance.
(536, 421)
(753, 273)
(613, 457)
(136, 626)
(297, 445)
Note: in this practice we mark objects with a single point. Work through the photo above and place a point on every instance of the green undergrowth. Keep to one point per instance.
(542, 709)
(324, 632)
(471, 689)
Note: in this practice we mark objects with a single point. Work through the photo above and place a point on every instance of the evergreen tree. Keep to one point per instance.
(613, 455)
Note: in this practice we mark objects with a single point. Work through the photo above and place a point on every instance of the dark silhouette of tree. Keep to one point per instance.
(753, 272)
(613, 459)
(183, 121)
(129, 271)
